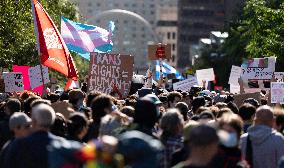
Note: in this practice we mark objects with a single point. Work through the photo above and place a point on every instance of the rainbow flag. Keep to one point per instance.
(83, 38)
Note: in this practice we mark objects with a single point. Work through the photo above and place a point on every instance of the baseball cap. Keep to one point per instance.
(19, 119)
(154, 99)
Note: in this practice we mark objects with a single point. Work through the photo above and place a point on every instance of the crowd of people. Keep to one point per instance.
(194, 129)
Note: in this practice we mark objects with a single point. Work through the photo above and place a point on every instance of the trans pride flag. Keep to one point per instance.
(166, 69)
(83, 39)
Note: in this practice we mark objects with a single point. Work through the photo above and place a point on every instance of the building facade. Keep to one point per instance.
(196, 19)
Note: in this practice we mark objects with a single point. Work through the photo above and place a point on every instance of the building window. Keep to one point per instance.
(98, 4)
(90, 4)
(174, 47)
(133, 5)
(126, 5)
(152, 12)
(143, 35)
(125, 21)
(134, 35)
(173, 58)
(116, 5)
(174, 35)
(152, 6)
(169, 35)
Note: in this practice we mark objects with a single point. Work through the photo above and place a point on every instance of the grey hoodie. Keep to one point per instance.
(267, 145)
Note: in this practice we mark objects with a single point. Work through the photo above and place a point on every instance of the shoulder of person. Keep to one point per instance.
(278, 136)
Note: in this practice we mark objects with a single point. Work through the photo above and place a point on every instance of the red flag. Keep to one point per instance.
(52, 49)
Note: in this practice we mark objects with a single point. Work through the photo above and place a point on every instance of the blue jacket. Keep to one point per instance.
(31, 151)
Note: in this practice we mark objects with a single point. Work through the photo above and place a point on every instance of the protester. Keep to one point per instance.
(183, 108)
(19, 124)
(196, 103)
(279, 119)
(128, 110)
(146, 115)
(229, 154)
(76, 98)
(203, 145)
(172, 127)
(262, 146)
(173, 99)
(12, 105)
(77, 127)
(59, 127)
(31, 152)
(247, 112)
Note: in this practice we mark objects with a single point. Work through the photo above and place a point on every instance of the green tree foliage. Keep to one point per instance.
(257, 32)
(17, 37)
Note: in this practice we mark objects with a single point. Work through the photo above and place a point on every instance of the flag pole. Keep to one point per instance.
(38, 46)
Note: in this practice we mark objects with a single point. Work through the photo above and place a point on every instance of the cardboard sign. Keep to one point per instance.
(205, 74)
(235, 75)
(13, 82)
(277, 92)
(239, 98)
(36, 77)
(159, 49)
(185, 85)
(259, 68)
(235, 88)
(109, 70)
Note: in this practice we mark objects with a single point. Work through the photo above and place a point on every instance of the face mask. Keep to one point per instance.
(231, 140)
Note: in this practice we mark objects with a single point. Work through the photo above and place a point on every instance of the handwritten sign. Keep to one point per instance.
(205, 74)
(239, 98)
(235, 75)
(36, 77)
(13, 82)
(259, 68)
(277, 92)
(154, 51)
(185, 85)
(109, 70)
(235, 88)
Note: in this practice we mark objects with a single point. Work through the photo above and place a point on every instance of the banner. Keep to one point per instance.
(185, 85)
(108, 71)
(235, 75)
(35, 76)
(277, 92)
(205, 74)
(235, 88)
(258, 69)
(13, 82)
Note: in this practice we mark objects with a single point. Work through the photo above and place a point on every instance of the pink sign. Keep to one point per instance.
(25, 72)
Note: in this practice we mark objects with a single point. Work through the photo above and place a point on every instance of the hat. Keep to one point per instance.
(154, 99)
(206, 115)
(139, 150)
(19, 119)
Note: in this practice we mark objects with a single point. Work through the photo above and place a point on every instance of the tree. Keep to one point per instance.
(17, 40)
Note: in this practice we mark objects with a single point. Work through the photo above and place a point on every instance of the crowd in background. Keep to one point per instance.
(195, 129)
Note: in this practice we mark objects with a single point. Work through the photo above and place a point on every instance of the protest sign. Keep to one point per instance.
(279, 76)
(110, 70)
(259, 68)
(13, 82)
(25, 73)
(239, 98)
(235, 75)
(235, 88)
(185, 85)
(36, 77)
(277, 92)
(157, 51)
(205, 75)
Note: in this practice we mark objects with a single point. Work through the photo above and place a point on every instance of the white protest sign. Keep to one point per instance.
(279, 76)
(235, 75)
(235, 88)
(13, 82)
(259, 68)
(277, 92)
(205, 74)
(185, 85)
(36, 77)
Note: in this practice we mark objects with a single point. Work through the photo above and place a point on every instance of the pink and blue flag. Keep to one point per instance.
(83, 38)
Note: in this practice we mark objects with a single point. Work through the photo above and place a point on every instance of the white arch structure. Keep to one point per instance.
(113, 12)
